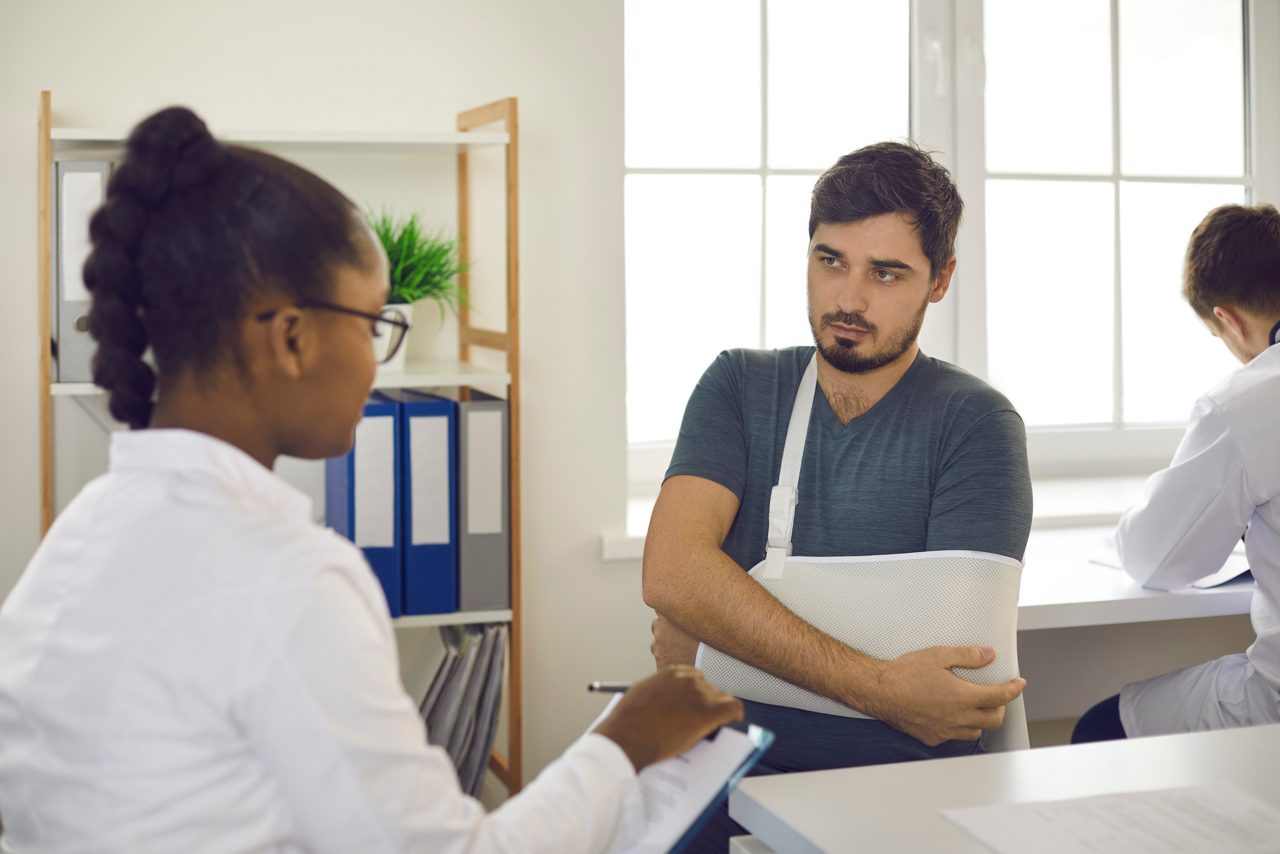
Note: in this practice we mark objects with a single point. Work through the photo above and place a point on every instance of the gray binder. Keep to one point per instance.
(80, 187)
(484, 488)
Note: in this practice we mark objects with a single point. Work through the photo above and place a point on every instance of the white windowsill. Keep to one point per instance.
(1059, 503)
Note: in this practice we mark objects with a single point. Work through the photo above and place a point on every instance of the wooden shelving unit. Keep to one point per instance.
(72, 142)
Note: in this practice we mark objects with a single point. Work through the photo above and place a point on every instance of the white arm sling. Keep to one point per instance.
(881, 605)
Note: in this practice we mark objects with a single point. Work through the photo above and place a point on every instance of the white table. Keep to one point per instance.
(1061, 588)
(895, 807)
(1085, 630)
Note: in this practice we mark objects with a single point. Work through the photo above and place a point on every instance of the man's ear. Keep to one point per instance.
(286, 336)
(1230, 322)
(943, 281)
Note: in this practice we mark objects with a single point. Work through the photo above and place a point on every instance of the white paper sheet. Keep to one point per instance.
(484, 472)
(676, 791)
(1217, 820)
(429, 481)
(375, 487)
(1237, 563)
(82, 193)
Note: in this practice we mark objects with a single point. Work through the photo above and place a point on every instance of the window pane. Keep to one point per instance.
(861, 48)
(692, 83)
(1170, 359)
(786, 312)
(1048, 95)
(1050, 313)
(693, 288)
(1181, 87)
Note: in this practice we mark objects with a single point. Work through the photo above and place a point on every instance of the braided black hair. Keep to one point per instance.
(190, 228)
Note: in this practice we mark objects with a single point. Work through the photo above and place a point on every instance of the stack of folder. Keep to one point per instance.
(461, 705)
(425, 493)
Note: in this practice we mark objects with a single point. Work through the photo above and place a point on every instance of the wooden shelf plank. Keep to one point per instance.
(457, 618)
(438, 374)
(415, 375)
(71, 139)
(73, 389)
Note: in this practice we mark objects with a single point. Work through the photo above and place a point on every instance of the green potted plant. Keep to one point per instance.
(422, 265)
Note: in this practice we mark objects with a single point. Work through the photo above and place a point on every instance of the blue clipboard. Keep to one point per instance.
(762, 739)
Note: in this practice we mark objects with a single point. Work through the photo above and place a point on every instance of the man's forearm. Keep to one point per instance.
(710, 598)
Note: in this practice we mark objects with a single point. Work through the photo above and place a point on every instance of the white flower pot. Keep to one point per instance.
(396, 365)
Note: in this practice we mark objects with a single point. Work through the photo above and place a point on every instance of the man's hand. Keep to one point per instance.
(918, 694)
(665, 714)
(670, 645)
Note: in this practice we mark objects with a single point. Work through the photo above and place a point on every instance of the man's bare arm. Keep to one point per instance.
(690, 581)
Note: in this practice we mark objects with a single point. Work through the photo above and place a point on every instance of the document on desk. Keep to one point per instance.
(1217, 820)
(1237, 564)
(681, 793)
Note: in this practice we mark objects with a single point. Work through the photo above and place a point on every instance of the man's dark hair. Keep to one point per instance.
(1234, 259)
(892, 177)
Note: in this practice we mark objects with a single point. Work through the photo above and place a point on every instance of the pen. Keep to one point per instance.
(608, 687)
(621, 688)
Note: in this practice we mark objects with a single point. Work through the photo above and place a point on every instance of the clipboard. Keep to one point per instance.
(762, 739)
(662, 834)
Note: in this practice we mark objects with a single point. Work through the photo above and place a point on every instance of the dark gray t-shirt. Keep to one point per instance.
(939, 463)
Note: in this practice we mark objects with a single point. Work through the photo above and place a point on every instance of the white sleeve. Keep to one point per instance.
(1193, 513)
(323, 707)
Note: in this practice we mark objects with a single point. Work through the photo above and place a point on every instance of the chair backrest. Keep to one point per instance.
(888, 605)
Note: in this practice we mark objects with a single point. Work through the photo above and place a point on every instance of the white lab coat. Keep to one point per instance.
(189, 663)
(1224, 479)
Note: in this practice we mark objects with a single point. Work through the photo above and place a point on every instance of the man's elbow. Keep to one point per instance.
(1139, 572)
(660, 576)
(1141, 562)
(1155, 573)
(654, 585)
(1151, 570)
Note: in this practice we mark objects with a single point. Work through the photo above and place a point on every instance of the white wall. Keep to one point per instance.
(389, 65)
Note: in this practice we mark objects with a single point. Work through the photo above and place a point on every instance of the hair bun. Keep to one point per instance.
(171, 149)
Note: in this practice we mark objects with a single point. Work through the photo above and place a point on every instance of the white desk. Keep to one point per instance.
(895, 807)
(1085, 630)
(1062, 589)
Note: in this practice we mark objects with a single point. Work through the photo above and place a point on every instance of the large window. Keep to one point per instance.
(1088, 137)
(733, 108)
(1102, 154)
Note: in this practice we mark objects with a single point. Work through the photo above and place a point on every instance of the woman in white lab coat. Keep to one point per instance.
(1223, 484)
(189, 662)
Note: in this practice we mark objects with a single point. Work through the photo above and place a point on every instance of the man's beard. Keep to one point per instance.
(842, 354)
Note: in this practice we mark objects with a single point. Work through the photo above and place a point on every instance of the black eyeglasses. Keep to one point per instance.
(393, 317)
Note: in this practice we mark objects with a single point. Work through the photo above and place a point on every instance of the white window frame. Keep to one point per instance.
(947, 78)
(1109, 449)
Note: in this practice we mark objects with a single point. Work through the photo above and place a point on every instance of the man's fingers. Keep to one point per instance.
(1012, 689)
(967, 657)
(994, 696)
(991, 718)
